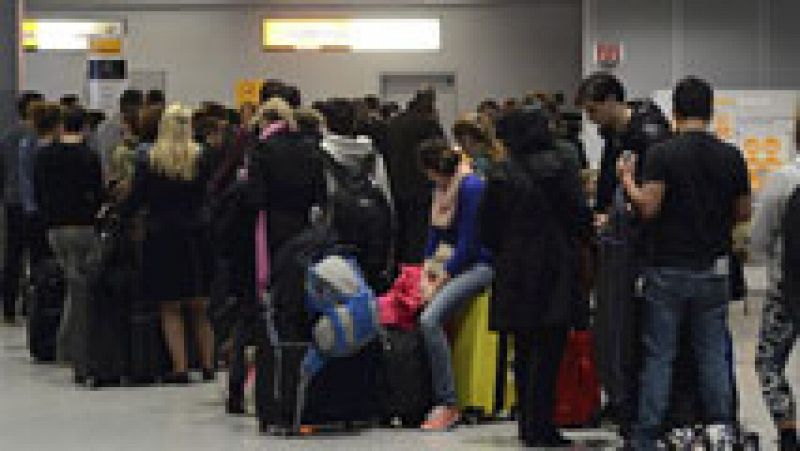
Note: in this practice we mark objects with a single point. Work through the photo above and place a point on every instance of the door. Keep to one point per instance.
(401, 87)
(146, 80)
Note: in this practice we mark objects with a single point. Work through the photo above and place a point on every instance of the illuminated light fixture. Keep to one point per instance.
(65, 34)
(342, 35)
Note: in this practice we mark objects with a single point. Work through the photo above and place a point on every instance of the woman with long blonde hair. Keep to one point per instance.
(175, 152)
(169, 186)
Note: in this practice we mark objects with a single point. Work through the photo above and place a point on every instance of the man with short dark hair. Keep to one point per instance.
(694, 189)
(156, 98)
(18, 140)
(633, 127)
(110, 134)
(69, 188)
(69, 101)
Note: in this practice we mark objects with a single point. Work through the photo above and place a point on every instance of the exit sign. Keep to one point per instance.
(608, 54)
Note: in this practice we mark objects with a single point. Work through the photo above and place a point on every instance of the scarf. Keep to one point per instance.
(272, 129)
(445, 200)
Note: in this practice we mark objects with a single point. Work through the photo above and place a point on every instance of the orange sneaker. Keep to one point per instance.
(441, 418)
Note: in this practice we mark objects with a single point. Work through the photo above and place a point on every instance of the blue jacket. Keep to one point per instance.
(463, 233)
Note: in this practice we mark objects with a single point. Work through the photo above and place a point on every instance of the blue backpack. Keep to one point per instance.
(346, 310)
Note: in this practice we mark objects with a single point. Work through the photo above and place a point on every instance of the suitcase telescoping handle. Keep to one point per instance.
(268, 309)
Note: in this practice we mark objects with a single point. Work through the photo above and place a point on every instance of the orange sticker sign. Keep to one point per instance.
(248, 91)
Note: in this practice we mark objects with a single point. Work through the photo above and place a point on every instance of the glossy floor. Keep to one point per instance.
(41, 410)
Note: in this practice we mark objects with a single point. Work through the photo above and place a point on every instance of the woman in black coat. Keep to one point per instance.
(534, 212)
(168, 185)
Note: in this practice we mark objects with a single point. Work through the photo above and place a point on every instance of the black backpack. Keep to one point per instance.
(790, 285)
(362, 218)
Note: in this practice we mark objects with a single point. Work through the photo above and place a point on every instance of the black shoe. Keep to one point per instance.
(10, 319)
(788, 438)
(548, 440)
(138, 381)
(234, 406)
(176, 378)
(209, 375)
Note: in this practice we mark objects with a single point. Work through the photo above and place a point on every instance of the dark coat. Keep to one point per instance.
(410, 187)
(533, 213)
(172, 262)
(285, 179)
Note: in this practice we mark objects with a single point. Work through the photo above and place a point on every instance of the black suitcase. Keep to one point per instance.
(45, 305)
(108, 328)
(103, 319)
(346, 392)
(407, 372)
(148, 358)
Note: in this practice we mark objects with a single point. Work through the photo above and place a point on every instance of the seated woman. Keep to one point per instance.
(457, 267)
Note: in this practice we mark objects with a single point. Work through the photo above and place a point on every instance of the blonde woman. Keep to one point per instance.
(168, 185)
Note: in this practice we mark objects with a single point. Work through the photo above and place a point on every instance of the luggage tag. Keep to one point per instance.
(639, 287)
(722, 266)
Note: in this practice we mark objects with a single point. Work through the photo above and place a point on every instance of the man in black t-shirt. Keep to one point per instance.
(693, 191)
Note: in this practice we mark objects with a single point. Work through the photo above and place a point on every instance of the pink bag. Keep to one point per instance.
(262, 254)
(399, 307)
(262, 248)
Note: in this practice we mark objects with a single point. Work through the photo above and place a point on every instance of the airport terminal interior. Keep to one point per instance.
(399, 224)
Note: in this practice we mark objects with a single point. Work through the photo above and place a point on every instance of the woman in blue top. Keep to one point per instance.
(457, 267)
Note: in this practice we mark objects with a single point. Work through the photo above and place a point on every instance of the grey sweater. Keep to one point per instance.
(352, 151)
(767, 236)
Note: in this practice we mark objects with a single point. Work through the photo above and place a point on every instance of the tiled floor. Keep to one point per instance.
(41, 410)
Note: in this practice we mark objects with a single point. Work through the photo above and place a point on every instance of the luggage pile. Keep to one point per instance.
(121, 340)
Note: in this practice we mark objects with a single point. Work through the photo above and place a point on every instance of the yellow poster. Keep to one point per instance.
(763, 157)
(248, 91)
(724, 126)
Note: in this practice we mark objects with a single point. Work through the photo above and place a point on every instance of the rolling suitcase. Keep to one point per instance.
(108, 327)
(409, 391)
(46, 302)
(616, 328)
(578, 389)
(147, 349)
(482, 365)
(346, 388)
(148, 359)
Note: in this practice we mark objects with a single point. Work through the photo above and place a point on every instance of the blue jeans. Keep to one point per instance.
(671, 297)
(450, 299)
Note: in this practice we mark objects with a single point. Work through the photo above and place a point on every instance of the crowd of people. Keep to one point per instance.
(505, 206)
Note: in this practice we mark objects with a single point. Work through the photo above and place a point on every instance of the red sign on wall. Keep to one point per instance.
(608, 54)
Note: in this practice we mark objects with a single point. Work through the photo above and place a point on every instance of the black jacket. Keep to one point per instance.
(286, 180)
(68, 184)
(534, 211)
(647, 127)
(410, 187)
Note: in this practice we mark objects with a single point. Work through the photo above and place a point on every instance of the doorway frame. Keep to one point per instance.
(451, 78)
